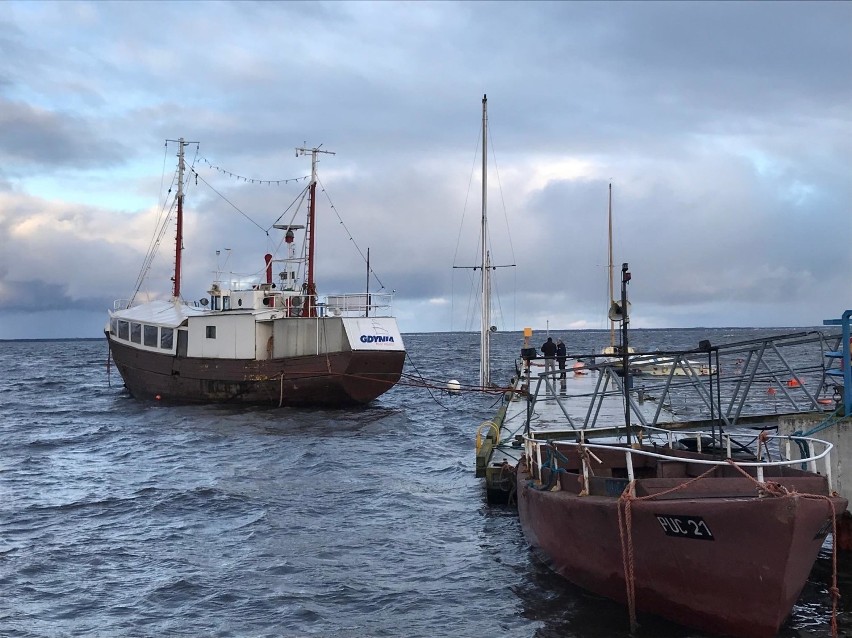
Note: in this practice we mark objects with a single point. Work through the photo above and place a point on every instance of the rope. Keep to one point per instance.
(552, 464)
(626, 535)
(585, 459)
(765, 489)
(408, 356)
(770, 488)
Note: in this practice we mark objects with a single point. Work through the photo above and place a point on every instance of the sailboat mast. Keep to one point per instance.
(179, 231)
(485, 339)
(611, 285)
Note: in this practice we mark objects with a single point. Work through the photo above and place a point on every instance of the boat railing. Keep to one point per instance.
(360, 304)
(740, 382)
(121, 304)
(811, 452)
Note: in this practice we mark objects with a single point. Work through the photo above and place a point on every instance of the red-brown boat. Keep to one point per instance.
(719, 545)
(267, 343)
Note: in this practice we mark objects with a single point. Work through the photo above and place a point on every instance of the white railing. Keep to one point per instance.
(359, 304)
(819, 450)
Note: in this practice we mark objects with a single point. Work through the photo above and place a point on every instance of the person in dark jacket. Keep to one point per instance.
(561, 356)
(549, 352)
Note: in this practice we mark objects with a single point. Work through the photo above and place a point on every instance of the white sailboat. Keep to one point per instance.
(616, 312)
(485, 266)
(642, 364)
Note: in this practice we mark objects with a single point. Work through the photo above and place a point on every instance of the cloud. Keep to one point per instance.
(722, 127)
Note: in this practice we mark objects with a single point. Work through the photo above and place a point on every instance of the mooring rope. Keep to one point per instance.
(765, 489)
(770, 488)
(626, 535)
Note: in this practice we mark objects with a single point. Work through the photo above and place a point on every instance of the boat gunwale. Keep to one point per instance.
(530, 440)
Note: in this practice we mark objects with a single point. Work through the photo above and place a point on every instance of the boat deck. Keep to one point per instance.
(753, 384)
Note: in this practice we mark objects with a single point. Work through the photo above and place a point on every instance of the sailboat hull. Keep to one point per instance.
(330, 380)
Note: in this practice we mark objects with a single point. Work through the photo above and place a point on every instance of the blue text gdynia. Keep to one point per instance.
(376, 338)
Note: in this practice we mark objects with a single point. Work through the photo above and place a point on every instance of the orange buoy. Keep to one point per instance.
(793, 383)
(772, 391)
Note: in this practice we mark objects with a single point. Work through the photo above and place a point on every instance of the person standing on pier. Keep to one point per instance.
(561, 355)
(549, 352)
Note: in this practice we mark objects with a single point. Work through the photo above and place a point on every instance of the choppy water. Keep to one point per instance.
(124, 518)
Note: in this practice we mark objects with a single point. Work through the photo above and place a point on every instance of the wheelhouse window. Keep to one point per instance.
(124, 330)
(166, 338)
(211, 332)
(149, 335)
(113, 326)
(136, 332)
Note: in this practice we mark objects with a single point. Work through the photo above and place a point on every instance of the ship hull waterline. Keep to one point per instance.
(723, 586)
(324, 380)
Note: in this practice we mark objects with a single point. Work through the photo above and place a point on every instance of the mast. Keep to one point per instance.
(367, 304)
(485, 339)
(611, 286)
(179, 230)
(310, 286)
(625, 359)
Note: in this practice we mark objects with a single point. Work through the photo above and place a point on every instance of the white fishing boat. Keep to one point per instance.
(268, 342)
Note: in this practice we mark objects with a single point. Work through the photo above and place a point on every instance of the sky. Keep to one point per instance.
(725, 129)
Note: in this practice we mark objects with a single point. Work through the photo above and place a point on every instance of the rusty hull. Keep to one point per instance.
(332, 380)
(714, 556)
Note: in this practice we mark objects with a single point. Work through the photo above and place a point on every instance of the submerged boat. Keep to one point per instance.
(720, 537)
(664, 366)
(263, 342)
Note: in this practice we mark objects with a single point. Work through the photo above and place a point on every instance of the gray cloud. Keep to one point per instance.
(723, 127)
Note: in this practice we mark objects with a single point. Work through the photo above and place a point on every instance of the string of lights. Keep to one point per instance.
(252, 180)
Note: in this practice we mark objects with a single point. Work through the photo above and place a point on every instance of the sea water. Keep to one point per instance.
(121, 517)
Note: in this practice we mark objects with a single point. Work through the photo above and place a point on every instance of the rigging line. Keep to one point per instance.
(352, 239)
(253, 180)
(153, 247)
(467, 197)
(502, 199)
(475, 291)
(163, 222)
(467, 317)
(411, 361)
(210, 186)
(300, 198)
(163, 174)
(150, 250)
